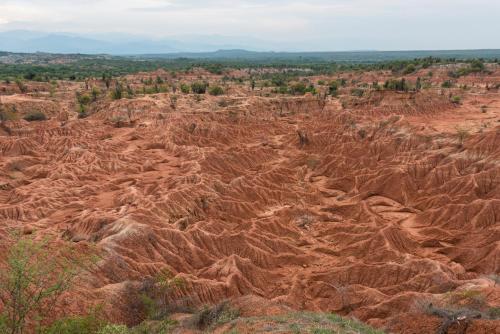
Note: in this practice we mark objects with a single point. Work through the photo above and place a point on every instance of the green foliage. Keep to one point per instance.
(462, 135)
(35, 116)
(213, 316)
(83, 99)
(165, 326)
(410, 68)
(300, 88)
(357, 92)
(185, 89)
(475, 66)
(33, 278)
(447, 84)
(397, 85)
(95, 93)
(117, 93)
(215, 90)
(81, 67)
(333, 88)
(156, 293)
(22, 87)
(114, 329)
(199, 87)
(353, 325)
(89, 324)
(456, 99)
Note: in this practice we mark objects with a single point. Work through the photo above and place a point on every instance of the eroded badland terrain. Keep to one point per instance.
(370, 204)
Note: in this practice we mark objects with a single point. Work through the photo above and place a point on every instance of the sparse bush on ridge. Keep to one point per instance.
(397, 85)
(185, 89)
(456, 99)
(219, 314)
(35, 116)
(447, 84)
(216, 90)
(199, 87)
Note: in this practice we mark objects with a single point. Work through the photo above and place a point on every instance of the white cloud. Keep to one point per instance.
(325, 24)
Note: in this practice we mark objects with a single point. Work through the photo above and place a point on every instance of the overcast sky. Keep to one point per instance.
(307, 25)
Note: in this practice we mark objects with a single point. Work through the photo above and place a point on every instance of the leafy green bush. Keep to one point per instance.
(117, 93)
(357, 92)
(114, 329)
(83, 99)
(185, 89)
(213, 316)
(32, 280)
(216, 90)
(156, 292)
(35, 116)
(298, 88)
(456, 99)
(397, 85)
(199, 87)
(447, 84)
(333, 88)
(409, 69)
(89, 324)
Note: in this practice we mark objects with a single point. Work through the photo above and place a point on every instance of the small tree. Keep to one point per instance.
(185, 89)
(33, 278)
(216, 90)
(117, 93)
(157, 293)
(199, 87)
(333, 88)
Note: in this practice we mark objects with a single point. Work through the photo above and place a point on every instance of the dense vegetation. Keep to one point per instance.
(78, 67)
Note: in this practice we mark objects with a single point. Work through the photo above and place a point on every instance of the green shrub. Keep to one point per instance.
(409, 69)
(333, 88)
(357, 92)
(447, 84)
(35, 116)
(213, 316)
(114, 329)
(156, 292)
(185, 89)
(89, 324)
(216, 90)
(199, 87)
(95, 93)
(117, 93)
(83, 99)
(397, 85)
(456, 99)
(32, 280)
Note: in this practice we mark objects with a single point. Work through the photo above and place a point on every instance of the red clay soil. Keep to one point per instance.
(367, 211)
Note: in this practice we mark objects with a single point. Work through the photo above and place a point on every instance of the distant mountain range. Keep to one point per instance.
(121, 44)
(200, 47)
